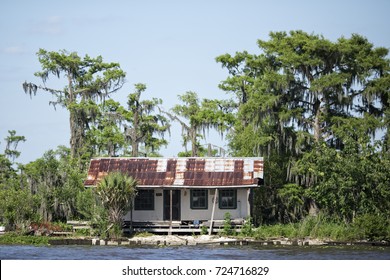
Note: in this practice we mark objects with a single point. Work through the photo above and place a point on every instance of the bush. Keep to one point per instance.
(203, 230)
(372, 227)
(247, 228)
(14, 238)
(227, 225)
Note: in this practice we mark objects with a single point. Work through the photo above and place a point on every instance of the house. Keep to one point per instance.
(182, 194)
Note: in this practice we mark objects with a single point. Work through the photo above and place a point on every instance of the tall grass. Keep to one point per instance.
(366, 227)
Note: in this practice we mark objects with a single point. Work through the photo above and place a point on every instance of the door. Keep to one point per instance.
(175, 205)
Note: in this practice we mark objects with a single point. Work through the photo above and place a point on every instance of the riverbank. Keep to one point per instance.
(175, 240)
(178, 240)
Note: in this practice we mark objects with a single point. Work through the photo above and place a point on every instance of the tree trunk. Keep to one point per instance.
(135, 137)
(76, 134)
(194, 148)
(73, 120)
(317, 121)
(73, 133)
(134, 148)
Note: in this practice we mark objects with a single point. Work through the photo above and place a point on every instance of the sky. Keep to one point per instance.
(168, 45)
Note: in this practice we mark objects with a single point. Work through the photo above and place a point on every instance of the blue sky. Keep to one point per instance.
(168, 45)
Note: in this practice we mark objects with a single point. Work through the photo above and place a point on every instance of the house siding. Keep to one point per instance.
(242, 210)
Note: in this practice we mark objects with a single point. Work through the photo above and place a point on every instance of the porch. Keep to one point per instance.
(177, 227)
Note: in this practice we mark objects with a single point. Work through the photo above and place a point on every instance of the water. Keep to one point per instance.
(15, 252)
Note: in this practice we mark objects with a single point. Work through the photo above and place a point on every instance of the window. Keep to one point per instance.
(199, 199)
(144, 200)
(227, 199)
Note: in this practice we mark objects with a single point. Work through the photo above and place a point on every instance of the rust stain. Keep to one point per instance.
(180, 171)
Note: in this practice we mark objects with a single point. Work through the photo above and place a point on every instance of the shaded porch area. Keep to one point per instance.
(184, 227)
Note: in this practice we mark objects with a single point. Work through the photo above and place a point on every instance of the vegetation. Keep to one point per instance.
(145, 123)
(322, 227)
(227, 225)
(87, 80)
(316, 110)
(15, 238)
(201, 116)
(116, 192)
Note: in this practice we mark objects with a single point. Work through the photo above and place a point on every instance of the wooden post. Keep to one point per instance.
(249, 204)
(212, 213)
(131, 220)
(170, 211)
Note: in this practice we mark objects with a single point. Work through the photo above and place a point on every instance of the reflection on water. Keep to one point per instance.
(194, 253)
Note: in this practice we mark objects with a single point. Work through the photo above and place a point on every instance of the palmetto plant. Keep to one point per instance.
(116, 192)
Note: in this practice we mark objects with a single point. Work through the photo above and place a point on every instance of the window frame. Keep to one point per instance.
(221, 195)
(206, 199)
(140, 204)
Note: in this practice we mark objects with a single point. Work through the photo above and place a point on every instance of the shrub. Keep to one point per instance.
(227, 225)
(203, 230)
(247, 228)
(372, 227)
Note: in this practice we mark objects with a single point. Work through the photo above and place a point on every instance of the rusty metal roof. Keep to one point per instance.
(185, 172)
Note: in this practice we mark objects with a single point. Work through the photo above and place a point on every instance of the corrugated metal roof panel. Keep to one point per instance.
(180, 171)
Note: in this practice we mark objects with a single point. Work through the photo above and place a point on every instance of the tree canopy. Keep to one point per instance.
(87, 81)
(295, 101)
(196, 117)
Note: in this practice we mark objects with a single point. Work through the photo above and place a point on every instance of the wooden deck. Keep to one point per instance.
(184, 227)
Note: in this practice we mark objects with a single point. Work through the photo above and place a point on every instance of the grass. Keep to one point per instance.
(143, 234)
(323, 228)
(18, 239)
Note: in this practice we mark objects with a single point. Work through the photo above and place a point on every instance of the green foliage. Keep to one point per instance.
(85, 204)
(105, 135)
(351, 181)
(275, 231)
(145, 126)
(83, 232)
(292, 198)
(227, 225)
(204, 230)
(247, 227)
(7, 172)
(372, 227)
(143, 234)
(200, 116)
(87, 80)
(365, 227)
(13, 213)
(55, 181)
(17, 239)
(100, 221)
(12, 142)
(312, 107)
(312, 227)
(116, 192)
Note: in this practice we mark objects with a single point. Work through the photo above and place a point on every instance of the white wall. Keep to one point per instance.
(242, 210)
(187, 213)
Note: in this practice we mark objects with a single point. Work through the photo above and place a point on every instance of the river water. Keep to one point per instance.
(16, 252)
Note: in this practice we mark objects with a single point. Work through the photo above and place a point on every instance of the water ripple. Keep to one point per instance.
(15, 252)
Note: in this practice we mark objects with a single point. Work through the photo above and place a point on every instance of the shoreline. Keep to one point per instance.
(181, 240)
(213, 240)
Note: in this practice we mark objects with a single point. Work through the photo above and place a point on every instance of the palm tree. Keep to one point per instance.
(117, 191)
